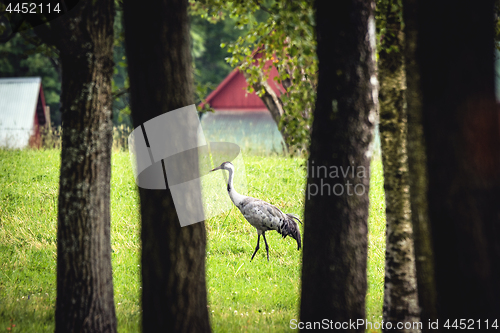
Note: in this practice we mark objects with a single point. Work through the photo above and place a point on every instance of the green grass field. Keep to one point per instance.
(243, 296)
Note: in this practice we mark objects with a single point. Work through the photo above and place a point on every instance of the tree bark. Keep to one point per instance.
(335, 236)
(84, 276)
(461, 129)
(400, 297)
(417, 164)
(271, 100)
(275, 106)
(174, 294)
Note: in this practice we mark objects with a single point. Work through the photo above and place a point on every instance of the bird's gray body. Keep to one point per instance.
(262, 215)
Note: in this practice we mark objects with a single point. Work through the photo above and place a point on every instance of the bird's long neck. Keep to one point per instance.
(235, 196)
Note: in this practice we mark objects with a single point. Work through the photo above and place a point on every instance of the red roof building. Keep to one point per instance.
(241, 117)
(232, 95)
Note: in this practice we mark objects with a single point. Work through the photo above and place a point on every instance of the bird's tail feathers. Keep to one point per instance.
(295, 217)
(291, 228)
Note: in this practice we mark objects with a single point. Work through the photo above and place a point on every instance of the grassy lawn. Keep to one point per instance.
(243, 296)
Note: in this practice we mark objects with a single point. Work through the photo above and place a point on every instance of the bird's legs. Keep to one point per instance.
(257, 247)
(267, 247)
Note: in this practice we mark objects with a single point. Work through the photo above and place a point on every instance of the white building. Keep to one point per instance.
(22, 112)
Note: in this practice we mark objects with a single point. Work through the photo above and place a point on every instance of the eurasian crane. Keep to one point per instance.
(262, 215)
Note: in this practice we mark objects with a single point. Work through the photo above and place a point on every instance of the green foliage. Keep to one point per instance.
(286, 37)
(209, 67)
(25, 55)
(389, 21)
(497, 24)
(243, 296)
(120, 84)
(207, 36)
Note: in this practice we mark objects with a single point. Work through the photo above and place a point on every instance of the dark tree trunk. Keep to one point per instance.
(335, 236)
(84, 278)
(173, 258)
(400, 297)
(417, 163)
(461, 128)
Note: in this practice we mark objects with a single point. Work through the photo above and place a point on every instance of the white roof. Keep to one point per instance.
(18, 100)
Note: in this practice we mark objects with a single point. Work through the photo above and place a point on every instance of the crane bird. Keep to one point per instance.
(262, 215)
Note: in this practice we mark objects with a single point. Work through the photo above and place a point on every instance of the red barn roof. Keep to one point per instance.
(231, 94)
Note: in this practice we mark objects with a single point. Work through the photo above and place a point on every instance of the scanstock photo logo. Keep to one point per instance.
(170, 152)
(336, 180)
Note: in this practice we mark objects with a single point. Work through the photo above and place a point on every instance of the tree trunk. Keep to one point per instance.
(335, 236)
(417, 164)
(400, 297)
(274, 105)
(84, 277)
(461, 128)
(174, 294)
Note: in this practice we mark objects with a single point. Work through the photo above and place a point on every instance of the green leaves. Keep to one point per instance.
(286, 38)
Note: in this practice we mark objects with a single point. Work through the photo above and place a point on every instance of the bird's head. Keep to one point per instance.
(224, 166)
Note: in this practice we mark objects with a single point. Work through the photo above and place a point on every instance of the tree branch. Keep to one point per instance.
(120, 92)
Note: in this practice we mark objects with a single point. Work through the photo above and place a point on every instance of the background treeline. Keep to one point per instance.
(25, 55)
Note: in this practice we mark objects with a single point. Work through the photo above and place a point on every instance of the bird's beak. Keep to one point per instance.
(218, 168)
